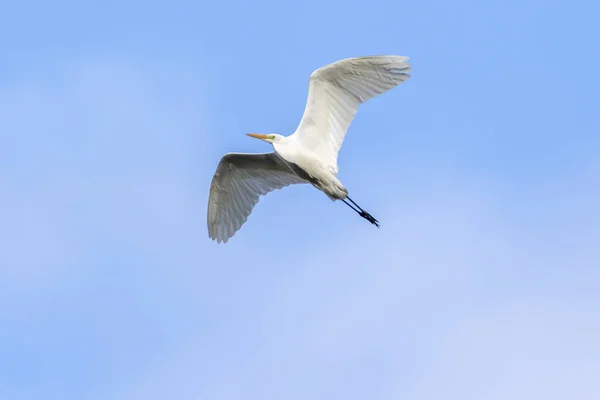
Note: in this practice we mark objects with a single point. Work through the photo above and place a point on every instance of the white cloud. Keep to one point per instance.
(542, 347)
(430, 312)
(426, 313)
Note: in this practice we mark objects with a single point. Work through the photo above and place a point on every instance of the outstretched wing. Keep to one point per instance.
(334, 94)
(238, 183)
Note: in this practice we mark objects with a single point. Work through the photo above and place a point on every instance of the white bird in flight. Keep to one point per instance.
(309, 155)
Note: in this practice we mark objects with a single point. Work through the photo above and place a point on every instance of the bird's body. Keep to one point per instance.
(307, 165)
(310, 154)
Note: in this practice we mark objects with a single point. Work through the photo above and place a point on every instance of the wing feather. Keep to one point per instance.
(336, 90)
(239, 181)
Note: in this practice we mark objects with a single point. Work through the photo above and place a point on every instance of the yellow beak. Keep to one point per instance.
(258, 136)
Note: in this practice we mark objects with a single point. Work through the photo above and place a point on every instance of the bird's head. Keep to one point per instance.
(269, 138)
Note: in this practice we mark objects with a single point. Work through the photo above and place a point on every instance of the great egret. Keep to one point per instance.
(309, 155)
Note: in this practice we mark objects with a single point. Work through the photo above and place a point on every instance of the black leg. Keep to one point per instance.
(350, 205)
(362, 212)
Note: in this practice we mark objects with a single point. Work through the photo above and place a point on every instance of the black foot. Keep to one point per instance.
(361, 212)
(369, 218)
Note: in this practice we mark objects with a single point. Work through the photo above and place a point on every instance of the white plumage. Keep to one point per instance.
(239, 181)
(310, 154)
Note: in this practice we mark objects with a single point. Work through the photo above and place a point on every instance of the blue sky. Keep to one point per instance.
(483, 169)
